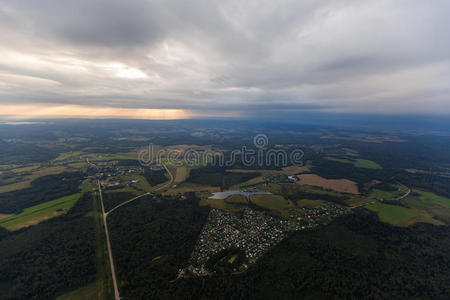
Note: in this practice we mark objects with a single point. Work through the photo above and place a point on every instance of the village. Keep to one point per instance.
(252, 231)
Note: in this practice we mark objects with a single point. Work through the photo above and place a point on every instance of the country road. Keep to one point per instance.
(393, 199)
(140, 196)
(105, 214)
(108, 244)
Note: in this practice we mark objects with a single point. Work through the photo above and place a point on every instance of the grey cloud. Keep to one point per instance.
(243, 56)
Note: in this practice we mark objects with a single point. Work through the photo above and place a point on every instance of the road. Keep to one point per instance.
(140, 196)
(406, 194)
(113, 272)
(105, 214)
(393, 199)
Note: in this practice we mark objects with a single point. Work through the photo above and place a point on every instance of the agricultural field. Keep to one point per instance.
(25, 181)
(221, 204)
(38, 213)
(377, 194)
(192, 187)
(367, 164)
(252, 181)
(358, 162)
(393, 214)
(109, 158)
(69, 156)
(339, 185)
(239, 199)
(430, 205)
(293, 170)
(197, 134)
(181, 174)
(274, 203)
(307, 203)
(427, 195)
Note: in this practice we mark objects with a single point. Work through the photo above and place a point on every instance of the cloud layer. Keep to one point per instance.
(243, 58)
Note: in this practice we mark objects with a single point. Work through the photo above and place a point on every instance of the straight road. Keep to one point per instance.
(105, 214)
(113, 272)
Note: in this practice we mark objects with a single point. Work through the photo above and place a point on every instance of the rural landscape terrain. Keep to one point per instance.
(83, 216)
(289, 149)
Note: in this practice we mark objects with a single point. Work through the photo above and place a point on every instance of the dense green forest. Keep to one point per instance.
(151, 239)
(218, 176)
(356, 256)
(155, 177)
(50, 258)
(42, 189)
(112, 199)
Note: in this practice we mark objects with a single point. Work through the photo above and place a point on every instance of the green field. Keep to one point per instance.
(68, 155)
(307, 203)
(232, 259)
(341, 160)
(236, 199)
(434, 197)
(367, 164)
(392, 214)
(25, 182)
(436, 208)
(38, 213)
(197, 134)
(108, 158)
(220, 204)
(377, 194)
(359, 162)
(274, 203)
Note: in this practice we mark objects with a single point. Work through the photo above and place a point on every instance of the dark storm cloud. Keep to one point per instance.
(243, 57)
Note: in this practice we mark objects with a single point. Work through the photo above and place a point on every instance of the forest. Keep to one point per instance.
(48, 259)
(354, 257)
(218, 176)
(42, 189)
(151, 239)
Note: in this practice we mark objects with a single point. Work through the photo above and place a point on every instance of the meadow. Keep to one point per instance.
(393, 214)
(38, 213)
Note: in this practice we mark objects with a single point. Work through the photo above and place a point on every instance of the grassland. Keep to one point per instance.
(240, 199)
(192, 187)
(232, 259)
(38, 213)
(443, 200)
(358, 162)
(274, 203)
(252, 181)
(26, 168)
(341, 160)
(307, 203)
(197, 134)
(377, 194)
(430, 205)
(112, 157)
(23, 184)
(220, 204)
(393, 214)
(68, 155)
(367, 164)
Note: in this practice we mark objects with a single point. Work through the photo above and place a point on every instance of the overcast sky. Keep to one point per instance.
(224, 58)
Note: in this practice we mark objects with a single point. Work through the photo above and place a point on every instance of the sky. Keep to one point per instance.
(187, 59)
